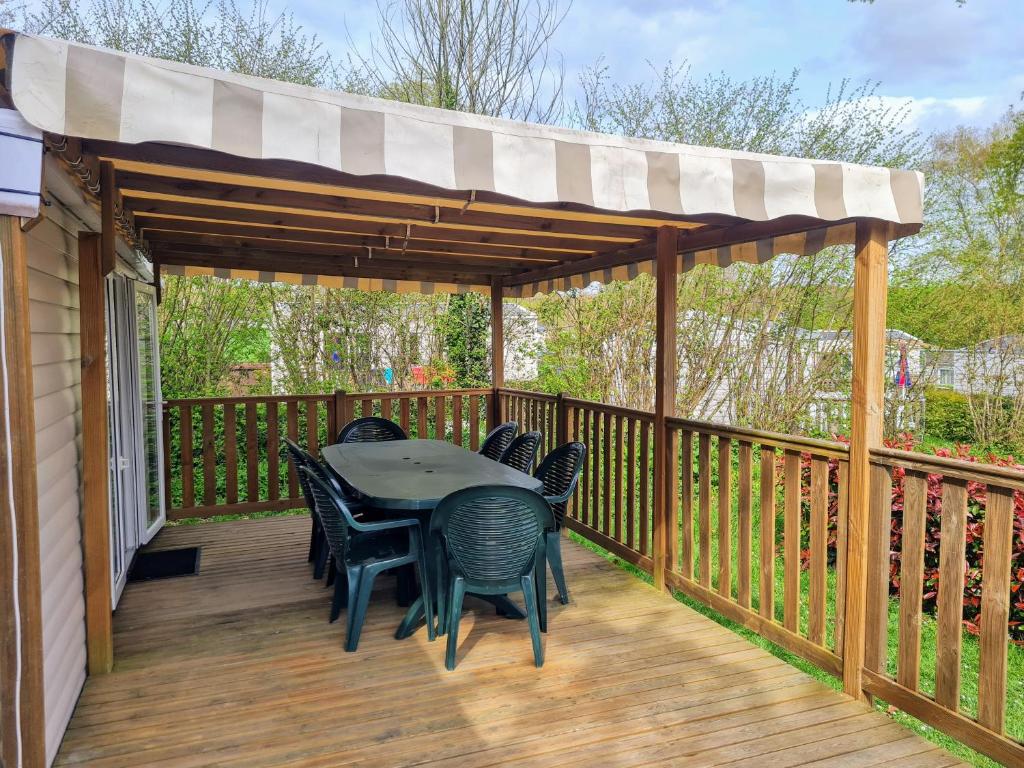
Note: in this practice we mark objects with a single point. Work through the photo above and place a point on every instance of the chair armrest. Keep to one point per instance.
(388, 525)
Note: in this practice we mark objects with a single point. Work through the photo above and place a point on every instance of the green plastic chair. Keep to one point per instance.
(493, 537)
(364, 551)
(522, 452)
(498, 440)
(370, 429)
(560, 472)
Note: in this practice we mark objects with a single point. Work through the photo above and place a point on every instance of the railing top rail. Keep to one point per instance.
(990, 474)
(241, 399)
(419, 393)
(593, 405)
(829, 448)
(529, 393)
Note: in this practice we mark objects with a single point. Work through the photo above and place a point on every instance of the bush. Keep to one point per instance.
(947, 416)
(977, 496)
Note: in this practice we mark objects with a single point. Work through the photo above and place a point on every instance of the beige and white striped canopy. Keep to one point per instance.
(118, 100)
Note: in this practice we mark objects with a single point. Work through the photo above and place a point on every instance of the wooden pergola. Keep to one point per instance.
(209, 173)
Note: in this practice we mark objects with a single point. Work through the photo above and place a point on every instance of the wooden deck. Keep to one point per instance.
(238, 666)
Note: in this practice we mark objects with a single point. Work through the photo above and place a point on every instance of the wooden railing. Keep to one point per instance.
(734, 490)
(222, 456)
(977, 719)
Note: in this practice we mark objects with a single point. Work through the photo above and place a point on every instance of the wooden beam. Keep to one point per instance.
(393, 253)
(869, 311)
(22, 732)
(312, 266)
(226, 233)
(95, 452)
(158, 213)
(108, 220)
(667, 269)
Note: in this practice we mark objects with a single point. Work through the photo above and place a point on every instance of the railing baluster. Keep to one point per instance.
(457, 419)
(274, 452)
(630, 483)
(584, 500)
(816, 593)
(421, 418)
(915, 492)
(209, 455)
(231, 453)
(686, 497)
(312, 424)
(440, 425)
(645, 487)
(724, 516)
(704, 506)
(404, 414)
(949, 636)
(618, 476)
(292, 416)
(995, 607)
(166, 468)
(474, 423)
(842, 504)
(188, 498)
(595, 471)
(766, 591)
(606, 500)
(744, 523)
(252, 467)
(791, 543)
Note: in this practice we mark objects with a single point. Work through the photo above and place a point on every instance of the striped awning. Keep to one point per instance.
(93, 93)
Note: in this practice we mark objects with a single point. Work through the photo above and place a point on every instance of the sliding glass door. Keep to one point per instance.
(133, 410)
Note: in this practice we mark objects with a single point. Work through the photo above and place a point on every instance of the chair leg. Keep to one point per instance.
(321, 562)
(312, 539)
(540, 572)
(530, 595)
(340, 599)
(353, 576)
(458, 594)
(357, 612)
(425, 592)
(554, 555)
(440, 589)
(332, 572)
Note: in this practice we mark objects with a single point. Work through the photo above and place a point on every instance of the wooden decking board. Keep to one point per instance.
(238, 666)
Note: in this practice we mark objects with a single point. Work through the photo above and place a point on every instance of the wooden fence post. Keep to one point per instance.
(561, 420)
(340, 412)
(664, 399)
(869, 308)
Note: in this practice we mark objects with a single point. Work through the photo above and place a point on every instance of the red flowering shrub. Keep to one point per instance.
(976, 498)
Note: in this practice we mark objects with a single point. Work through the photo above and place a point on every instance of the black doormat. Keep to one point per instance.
(164, 564)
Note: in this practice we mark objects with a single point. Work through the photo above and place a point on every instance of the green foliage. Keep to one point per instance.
(464, 328)
(948, 416)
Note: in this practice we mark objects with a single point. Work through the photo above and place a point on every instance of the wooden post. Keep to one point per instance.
(869, 309)
(497, 347)
(108, 196)
(562, 420)
(22, 732)
(340, 412)
(95, 452)
(664, 397)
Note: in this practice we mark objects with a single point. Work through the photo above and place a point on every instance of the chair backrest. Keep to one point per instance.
(371, 429)
(298, 459)
(560, 472)
(522, 453)
(334, 516)
(498, 440)
(492, 533)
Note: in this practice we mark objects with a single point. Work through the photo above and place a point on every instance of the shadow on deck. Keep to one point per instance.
(238, 666)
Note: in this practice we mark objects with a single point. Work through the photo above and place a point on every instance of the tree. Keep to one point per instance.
(463, 328)
(489, 57)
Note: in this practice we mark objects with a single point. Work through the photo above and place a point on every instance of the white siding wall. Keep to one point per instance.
(56, 352)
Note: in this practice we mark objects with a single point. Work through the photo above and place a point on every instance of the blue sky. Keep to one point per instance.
(955, 64)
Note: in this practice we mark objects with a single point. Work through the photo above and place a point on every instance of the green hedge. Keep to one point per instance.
(947, 416)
